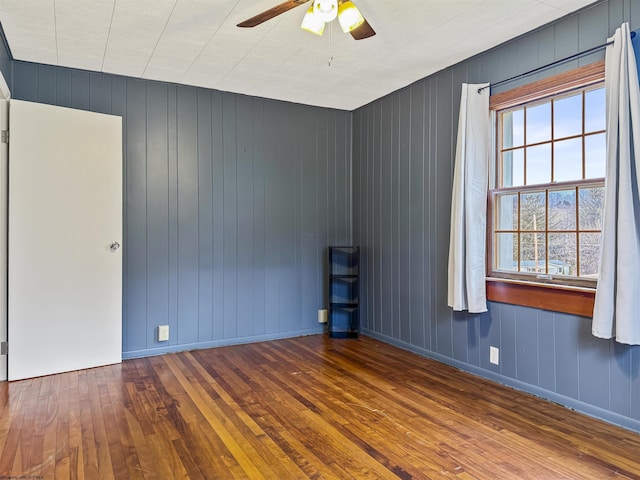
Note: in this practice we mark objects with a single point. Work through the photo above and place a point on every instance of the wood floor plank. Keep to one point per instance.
(309, 407)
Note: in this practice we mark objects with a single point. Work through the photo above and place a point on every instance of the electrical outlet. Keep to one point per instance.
(494, 355)
(163, 333)
(322, 316)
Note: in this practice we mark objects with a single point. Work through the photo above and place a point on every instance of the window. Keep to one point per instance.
(546, 198)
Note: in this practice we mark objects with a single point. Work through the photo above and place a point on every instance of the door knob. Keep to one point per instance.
(114, 246)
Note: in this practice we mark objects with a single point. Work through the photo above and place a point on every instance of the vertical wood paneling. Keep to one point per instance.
(6, 65)
(25, 82)
(359, 199)
(473, 335)
(616, 13)
(245, 181)
(205, 217)
(459, 335)
(288, 164)
(47, 85)
(63, 88)
(591, 29)
(394, 214)
(259, 276)
(489, 335)
(100, 93)
(430, 120)
(230, 215)
(322, 185)
(157, 200)
(567, 39)
(417, 218)
(229, 205)
(135, 227)
(310, 281)
(272, 232)
(445, 126)
(593, 362)
(342, 149)
(546, 354)
(377, 220)
(80, 90)
(527, 345)
(635, 385)
(386, 214)
(620, 378)
(188, 262)
(217, 295)
(404, 224)
(566, 351)
(508, 351)
(172, 200)
(403, 220)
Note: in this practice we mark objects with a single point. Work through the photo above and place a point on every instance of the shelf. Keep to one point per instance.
(343, 261)
(344, 287)
(346, 334)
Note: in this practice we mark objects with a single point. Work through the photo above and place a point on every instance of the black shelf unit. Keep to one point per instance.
(344, 291)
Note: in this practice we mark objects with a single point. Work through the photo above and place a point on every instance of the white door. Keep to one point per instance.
(65, 212)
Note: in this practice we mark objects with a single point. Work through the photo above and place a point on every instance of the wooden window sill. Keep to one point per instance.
(557, 298)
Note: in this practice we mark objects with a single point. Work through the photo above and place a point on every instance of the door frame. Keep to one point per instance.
(5, 96)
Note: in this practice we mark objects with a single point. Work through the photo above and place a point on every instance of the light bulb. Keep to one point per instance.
(349, 16)
(312, 22)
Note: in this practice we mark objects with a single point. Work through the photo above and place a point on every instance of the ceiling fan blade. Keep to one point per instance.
(271, 13)
(363, 31)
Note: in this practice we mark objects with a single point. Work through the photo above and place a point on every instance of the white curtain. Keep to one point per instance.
(467, 243)
(616, 311)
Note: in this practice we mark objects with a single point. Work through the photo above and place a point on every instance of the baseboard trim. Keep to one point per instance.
(568, 402)
(225, 342)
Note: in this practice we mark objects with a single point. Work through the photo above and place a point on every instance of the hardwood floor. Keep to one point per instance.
(307, 407)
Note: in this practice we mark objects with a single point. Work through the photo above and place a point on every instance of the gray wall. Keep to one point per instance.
(5, 58)
(402, 170)
(230, 202)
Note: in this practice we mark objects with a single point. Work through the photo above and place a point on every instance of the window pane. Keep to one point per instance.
(539, 123)
(513, 129)
(562, 254)
(567, 113)
(507, 251)
(567, 160)
(507, 212)
(595, 155)
(591, 208)
(513, 168)
(594, 110)
(533, 210)
(532, 250)
(589, 254)
(539, 164)
(562, 210)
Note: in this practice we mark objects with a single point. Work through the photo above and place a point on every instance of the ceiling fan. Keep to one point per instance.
(320, 13)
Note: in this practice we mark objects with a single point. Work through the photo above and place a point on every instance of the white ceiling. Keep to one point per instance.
(196, 42)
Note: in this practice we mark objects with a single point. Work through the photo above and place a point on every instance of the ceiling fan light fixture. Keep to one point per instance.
(312, 22)
(327, 10)
(349, 16)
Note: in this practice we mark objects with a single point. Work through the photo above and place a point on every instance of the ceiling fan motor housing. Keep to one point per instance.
(327, 10)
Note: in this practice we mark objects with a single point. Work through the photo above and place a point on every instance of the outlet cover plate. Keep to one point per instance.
(163, 333)
(494, 355)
